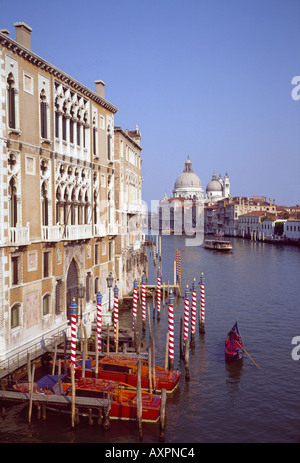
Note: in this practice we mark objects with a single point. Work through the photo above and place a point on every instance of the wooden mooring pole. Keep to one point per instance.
(139, 399)
(163, 414)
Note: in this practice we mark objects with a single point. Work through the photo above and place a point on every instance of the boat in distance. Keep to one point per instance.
(233, 345)
(218, 245)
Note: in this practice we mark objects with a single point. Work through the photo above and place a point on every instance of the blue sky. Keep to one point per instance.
(207, 79)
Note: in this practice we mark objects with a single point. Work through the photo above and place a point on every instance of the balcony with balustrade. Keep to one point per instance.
(19, 236)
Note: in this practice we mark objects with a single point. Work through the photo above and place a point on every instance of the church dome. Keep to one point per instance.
(214, 186)
(188, 183)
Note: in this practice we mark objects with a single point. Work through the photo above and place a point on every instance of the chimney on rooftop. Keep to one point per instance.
(4, 31)
(100, 88)
(23, 34)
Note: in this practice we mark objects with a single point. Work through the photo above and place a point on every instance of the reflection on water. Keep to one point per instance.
(257, 285)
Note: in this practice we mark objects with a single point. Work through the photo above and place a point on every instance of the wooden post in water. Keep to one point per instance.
(116, 316)
(202, 305)
(150, 369)
(28, 367)
(65, 353)
(163, 414)
(83, 357)
(166, 351)
(31, 394)
(171, 330)
(107, 339)
(54, 358)
(186, 360)
(97, 357)
(139, 399)
(194, 311)
(153, 366)
(149, 321)
(143, 302)
(158, 292)
(73, 396)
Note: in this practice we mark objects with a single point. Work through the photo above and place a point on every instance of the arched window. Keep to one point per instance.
(45, 219)
(11, 101)
(46, 304)
(15, 315)
(43, 115)
(12, 194)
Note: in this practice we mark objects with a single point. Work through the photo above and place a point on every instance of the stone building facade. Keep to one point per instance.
(129, 247)
(58, 220)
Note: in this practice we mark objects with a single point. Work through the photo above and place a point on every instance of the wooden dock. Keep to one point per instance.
(54, 400)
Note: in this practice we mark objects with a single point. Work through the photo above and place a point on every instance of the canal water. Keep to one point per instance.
(256, 285)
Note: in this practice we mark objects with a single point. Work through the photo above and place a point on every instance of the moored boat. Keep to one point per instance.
(123, 405)
(218, 245)
(233, 344)
(124, 369)
(48, 385)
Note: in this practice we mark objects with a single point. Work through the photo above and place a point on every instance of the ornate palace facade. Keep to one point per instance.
(58, 223)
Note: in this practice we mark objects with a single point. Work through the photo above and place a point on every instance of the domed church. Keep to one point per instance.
(188, 184)
(217, 188)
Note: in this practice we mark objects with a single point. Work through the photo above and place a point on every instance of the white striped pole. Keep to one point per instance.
(73, 310)
(158, 292)
(99, 320)
(135, 297)
(202, 305)
(186, 314)
(144, 301)
(171, 330)
(194, 310)
(116, 314)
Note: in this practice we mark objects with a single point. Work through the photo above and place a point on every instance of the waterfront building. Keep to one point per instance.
(129, 246)
(229, 209)
(58, 221)
(291, 230)
(249, 225)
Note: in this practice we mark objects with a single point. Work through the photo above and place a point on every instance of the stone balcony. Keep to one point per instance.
(100, 229)
(19, 236)
(113, 228)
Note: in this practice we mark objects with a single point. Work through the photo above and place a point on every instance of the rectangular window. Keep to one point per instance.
(46, 266)
(56, 124)
(15, 270)
(46, 305)
(64, 128)
(43, 119)
(71, 131)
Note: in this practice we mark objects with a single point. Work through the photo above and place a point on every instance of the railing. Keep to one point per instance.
(100, 229)
(19, 235)
(18, 360)
(52, 232)
(75, 232)
(113, 228)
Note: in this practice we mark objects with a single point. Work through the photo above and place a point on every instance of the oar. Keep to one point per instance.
(248, 354)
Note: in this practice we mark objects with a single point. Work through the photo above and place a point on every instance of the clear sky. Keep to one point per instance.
(208, 79)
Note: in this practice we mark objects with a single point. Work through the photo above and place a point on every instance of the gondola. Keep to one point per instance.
(233, 345)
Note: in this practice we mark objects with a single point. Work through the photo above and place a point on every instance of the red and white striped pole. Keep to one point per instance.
(194, 311)
(171, 330)
(73, 310)
(158, 292)
(186, 315)
(202, 305)
(116, 316)
(135, 297)
(99, 320)
(144, 301)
